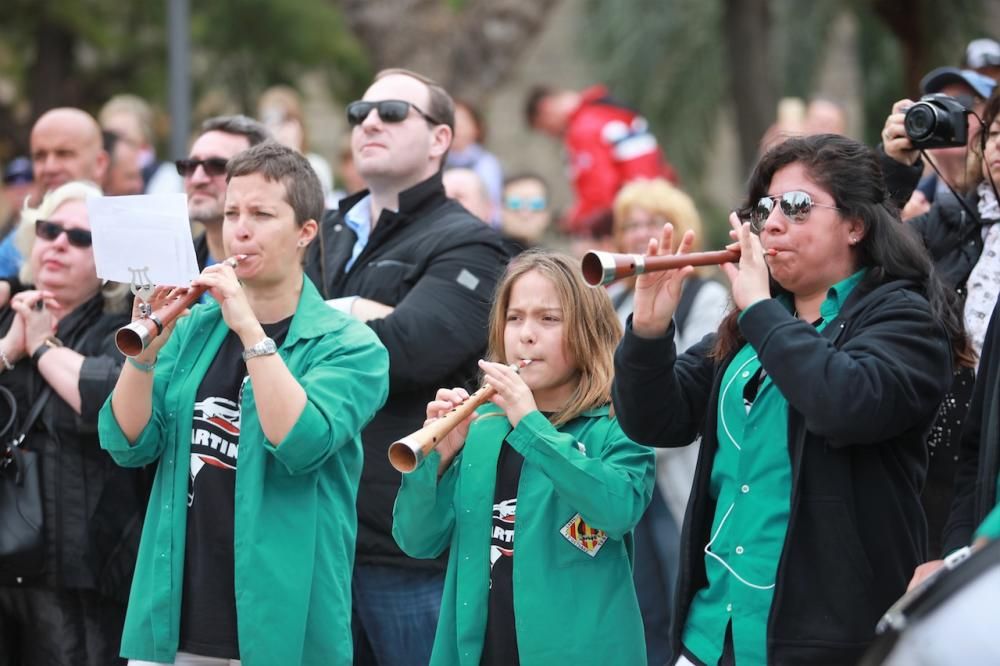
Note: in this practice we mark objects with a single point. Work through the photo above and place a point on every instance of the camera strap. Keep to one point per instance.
(961, 199)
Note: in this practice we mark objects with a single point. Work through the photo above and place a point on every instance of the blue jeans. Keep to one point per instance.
(657, 556)
(395, 614)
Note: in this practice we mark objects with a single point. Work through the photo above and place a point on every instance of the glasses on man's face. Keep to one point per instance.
(389, 110)
(795, 206)
(50, 231)
(213, 166)
(527, 204)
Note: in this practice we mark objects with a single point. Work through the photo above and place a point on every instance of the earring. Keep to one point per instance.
(854, 240)
(302, 244)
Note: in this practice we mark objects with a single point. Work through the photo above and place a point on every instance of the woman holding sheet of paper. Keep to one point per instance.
(64, 603)
(253, 413)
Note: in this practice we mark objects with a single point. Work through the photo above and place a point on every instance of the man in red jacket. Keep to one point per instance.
(608, 145)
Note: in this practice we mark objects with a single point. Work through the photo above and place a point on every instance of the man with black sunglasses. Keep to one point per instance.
(420, 270)
(204, 174)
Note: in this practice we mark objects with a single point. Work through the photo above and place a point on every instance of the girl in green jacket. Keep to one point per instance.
(547, 453)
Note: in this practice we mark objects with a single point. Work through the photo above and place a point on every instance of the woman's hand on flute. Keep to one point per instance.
(512, 395)
(750, 281)
(161, 297)
(658, 293)
(444, 401)
(225, 287)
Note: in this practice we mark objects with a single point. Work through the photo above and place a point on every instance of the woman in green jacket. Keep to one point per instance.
(250, 561)
(548, 452)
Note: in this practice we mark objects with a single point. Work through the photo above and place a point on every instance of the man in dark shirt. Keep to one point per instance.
(204, 173)
(420, 270)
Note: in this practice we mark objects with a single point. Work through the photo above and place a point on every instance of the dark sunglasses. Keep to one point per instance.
(389, 110)
(213, 166)
(51, 230)
(533, 204)
(795, 206)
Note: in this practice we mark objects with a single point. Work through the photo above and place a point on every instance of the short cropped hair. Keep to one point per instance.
(254, 131)
(280, 164)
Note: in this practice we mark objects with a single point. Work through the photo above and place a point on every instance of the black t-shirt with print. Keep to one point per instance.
(208, 602)
(500, 644)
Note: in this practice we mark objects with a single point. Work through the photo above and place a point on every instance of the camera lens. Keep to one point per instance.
(920, 121)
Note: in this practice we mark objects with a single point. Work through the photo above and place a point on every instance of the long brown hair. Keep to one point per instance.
(889, 249)
(591, 327)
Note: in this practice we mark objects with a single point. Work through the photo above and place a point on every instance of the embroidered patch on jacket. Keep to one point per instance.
(467, 280)
(583, 536)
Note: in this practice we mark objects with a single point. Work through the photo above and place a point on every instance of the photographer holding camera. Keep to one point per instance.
(955, 230)
(935, 124)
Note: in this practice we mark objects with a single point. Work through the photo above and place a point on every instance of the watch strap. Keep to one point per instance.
(263, 348)
(40, 351)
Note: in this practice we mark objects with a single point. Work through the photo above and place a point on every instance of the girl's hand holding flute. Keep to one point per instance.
(444, 401)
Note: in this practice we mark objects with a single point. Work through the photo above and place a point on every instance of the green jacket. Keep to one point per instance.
(569, 607)
(295, 522)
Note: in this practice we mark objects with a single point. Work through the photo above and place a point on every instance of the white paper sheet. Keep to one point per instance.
(147, 232)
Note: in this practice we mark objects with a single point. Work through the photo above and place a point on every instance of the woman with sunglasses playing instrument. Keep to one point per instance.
(66, 605)
(813, 401)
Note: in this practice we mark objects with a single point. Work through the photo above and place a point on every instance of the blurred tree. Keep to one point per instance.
(679, 61)
(469, 46)
(80, 52)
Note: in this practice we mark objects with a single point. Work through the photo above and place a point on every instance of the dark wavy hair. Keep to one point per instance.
(889, 249)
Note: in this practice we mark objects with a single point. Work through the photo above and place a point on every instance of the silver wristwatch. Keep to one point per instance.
(262, 348)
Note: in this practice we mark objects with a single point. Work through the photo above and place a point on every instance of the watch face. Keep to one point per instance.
(262, 348)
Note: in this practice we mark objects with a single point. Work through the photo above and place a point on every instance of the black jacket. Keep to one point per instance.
(978, 466)
(437, 265)
(861, 396)
(953, 236)
(93, 509)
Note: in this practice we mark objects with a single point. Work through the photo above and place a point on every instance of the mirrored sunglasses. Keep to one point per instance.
(533, 204)
(795, 206)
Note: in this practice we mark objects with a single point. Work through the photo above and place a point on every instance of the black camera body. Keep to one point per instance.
(937, 121)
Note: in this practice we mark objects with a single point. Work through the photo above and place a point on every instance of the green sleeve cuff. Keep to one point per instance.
(306, 444)
(145, 449)
(990, 528)
(530, 429)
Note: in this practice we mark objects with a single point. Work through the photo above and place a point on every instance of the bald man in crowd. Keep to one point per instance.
(66, 144)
